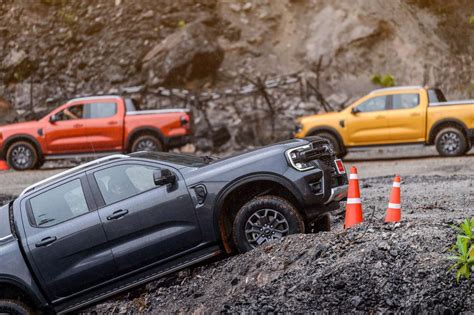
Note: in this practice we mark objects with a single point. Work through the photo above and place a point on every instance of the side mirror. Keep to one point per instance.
(53, 118)
(355, 110)
(163, 177)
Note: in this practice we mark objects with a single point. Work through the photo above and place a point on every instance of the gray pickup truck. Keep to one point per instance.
(117, 222)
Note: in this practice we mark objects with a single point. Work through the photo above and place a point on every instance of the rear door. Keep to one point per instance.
(66, 241)
(144, 223)
(104, 124)
(407, 119)
(369, 125)
(68, 133)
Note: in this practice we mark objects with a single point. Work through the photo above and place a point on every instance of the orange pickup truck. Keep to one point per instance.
(92, 126)
(392, 116)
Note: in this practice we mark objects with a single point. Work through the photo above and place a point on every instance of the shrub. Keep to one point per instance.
(471, 20)
(385, 81)
(463, 250)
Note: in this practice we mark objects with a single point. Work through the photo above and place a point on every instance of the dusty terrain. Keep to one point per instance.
(373, 268)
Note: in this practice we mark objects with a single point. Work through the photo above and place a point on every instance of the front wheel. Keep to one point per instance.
(263, 219)
(22, 156)
(14, 308)
(451, 142)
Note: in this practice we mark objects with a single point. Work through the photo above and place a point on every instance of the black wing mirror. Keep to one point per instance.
(355, 110)
(53, 118)
(163, 177)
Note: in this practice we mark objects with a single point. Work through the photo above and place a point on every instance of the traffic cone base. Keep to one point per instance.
(354, 206)
(394, 210)
(3, 166)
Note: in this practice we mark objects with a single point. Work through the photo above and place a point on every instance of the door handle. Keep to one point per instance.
(117, 214)
(112, 123)
(415, 114)
(379, 117)
(46, 241)
(78, 125)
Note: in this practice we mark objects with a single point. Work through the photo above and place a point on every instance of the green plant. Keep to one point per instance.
(385, 81)
(463, 250)
(471, 20)
(181, 23)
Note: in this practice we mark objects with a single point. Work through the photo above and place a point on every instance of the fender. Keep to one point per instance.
(435, 126)
(37, 298)
(20, 137)
(245, 180)
(327, 129)
(135, 131)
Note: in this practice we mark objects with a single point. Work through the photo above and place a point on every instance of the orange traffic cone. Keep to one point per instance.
(354, 206)
(3, 166)
(394, 211)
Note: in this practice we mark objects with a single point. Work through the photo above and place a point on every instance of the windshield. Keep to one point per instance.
(180, 159)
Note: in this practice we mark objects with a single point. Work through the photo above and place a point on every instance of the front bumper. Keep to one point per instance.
(338, 193)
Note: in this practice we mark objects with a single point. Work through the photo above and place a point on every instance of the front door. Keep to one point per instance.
(144, 223)
(67, 134)
(66, 240)
(368, 124)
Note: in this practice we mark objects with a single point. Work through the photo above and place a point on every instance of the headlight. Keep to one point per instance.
(293, 157)
(298, 127)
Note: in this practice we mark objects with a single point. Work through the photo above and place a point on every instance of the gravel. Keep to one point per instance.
(374, 267)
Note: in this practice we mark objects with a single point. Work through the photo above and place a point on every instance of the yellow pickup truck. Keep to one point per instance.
(398, 115)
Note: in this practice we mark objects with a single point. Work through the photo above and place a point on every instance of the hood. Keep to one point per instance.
(322, 117)
(19, 126)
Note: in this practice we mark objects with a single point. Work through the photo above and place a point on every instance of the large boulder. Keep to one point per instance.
(188, 54)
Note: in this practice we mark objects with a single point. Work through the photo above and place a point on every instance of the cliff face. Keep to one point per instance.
(60, 48)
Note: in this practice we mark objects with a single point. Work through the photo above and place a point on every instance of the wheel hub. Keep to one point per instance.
(265, 225)
(146, 145)
(21, 156)
(450, 142)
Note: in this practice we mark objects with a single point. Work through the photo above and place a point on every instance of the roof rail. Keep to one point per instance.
(92, 97)
(73, 170)
(396, 88)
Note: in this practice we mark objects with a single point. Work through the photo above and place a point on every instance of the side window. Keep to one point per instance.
(124, 181)
(405, 101)
(101, 110)
(71, 113)
(59, 204)
(373, 105)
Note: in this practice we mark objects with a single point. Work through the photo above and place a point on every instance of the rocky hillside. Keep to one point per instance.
(55, 49)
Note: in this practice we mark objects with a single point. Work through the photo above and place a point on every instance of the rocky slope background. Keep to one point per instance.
(221, 53)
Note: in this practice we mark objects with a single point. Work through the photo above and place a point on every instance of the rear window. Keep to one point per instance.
(59, 204)
(406, 101)
(436, 96)
(101, 110)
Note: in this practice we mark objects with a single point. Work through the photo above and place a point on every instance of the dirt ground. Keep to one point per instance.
(371, 268)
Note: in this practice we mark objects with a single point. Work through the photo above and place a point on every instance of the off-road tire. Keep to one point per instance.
(14, 308)
(321, 224)
(141, 142)
(451, 141)
(338, 148)
(286, 209)
(31, 161)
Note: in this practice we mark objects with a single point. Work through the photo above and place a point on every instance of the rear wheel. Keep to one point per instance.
(22, 156)
(339, 149)
(146, 143)
(451, 141)
(263, 219)
(14, 308)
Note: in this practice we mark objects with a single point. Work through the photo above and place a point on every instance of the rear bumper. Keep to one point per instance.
(177, 141)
